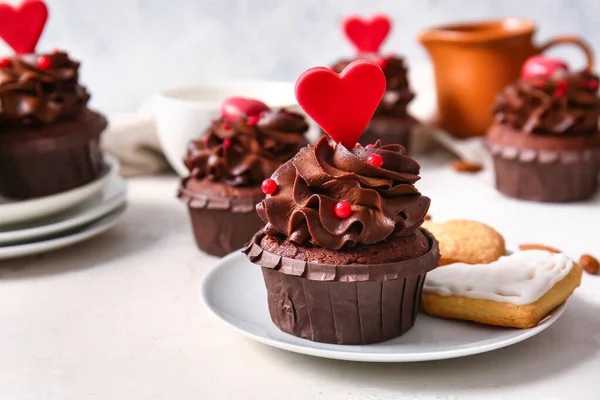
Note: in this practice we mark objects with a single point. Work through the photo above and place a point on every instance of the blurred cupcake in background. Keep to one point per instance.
(545, 140)
(49, 138)
(229, 167)
(391, 123)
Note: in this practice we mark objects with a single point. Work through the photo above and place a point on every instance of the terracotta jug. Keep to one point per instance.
(475, 61)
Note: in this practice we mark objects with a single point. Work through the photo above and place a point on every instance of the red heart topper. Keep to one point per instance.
(342, 104)
(22, 26)
(367, 35)
(234, 108)
(540, 65)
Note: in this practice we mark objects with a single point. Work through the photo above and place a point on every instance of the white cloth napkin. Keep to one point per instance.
(132, 139)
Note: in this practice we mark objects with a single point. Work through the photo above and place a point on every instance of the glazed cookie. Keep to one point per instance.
(468, 242)
(516, 291)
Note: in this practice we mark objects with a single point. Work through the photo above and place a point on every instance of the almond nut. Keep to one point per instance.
(466, 166)
(590, 264)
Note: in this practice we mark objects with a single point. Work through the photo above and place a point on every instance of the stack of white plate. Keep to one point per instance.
(46, 223)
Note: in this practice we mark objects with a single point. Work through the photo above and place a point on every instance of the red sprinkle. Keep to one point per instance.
(370, 146)
(225, 125)
(561, 88)
(44, 62)
(375, 160)
(253, 120)
(227, 143)
(269, 186)
(5, 63)
(343, 209)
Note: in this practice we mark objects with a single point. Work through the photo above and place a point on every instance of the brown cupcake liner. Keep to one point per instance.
(51, 164)
(206, 201)
(343, 304)
(555, 176)
(220, 225)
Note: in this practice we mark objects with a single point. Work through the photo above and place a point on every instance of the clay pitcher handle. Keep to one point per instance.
(567, 39)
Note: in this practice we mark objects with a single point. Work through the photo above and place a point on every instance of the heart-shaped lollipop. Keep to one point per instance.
(342, 104)
(240, 107)
(367, 35)
(21, 26)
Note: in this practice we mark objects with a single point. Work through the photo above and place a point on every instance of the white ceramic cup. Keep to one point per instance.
(183, 114)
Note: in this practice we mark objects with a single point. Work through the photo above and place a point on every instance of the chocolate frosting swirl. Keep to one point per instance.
(31, 96)
(384, 200)
(563, 106)
(239, 154)
(398, 93)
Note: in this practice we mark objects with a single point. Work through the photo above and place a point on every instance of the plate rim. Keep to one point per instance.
(92, 187)
(95, 228)
(346, 355)
(102, 209)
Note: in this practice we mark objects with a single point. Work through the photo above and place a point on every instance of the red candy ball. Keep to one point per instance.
(225, 125)
(343, 209)
(235, 108)
(269, 186)
(44, 62)
(375, 160)
(5, 63)
(227, 143)
(370, 146)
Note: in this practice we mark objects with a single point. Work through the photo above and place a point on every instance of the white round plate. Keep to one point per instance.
(77, 236)
(112, 196)
(235, 293)
(16, 211)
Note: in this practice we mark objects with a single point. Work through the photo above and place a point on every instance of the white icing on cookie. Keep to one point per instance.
(521, 278)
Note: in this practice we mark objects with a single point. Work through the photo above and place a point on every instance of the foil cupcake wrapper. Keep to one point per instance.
(552, 176)
(343, 304)
(48, 164)
(206, 201)
(343, 312)
(220, 232)
(343, 273)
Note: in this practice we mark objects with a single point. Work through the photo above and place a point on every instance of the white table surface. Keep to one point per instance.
(118, 317)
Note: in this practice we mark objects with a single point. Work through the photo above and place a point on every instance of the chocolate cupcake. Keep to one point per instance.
(391, 122)
(228, 166)
(545, 140)
(342, 254)
(49, 139)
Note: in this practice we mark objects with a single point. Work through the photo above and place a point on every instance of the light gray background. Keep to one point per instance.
(131, 49)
